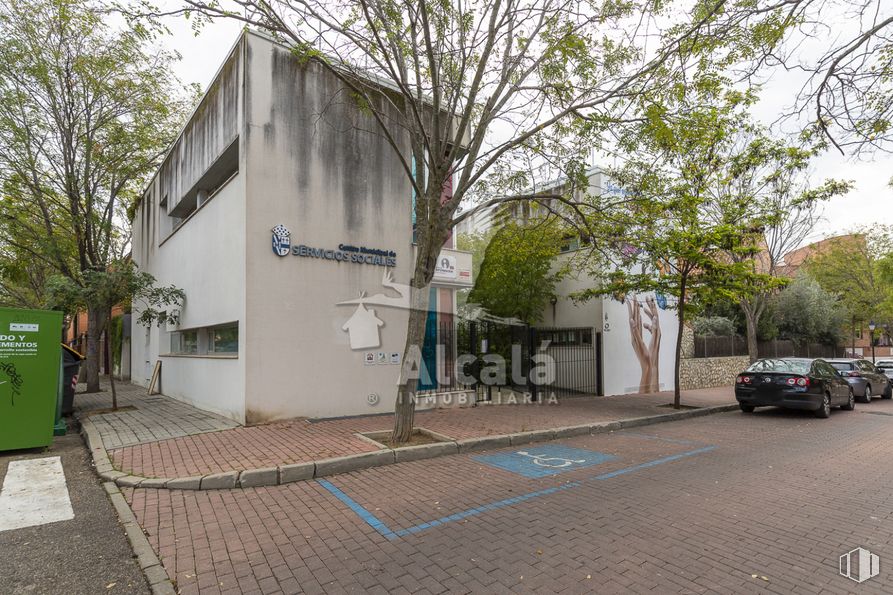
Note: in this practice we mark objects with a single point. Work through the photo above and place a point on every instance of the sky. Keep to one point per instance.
(868, 204)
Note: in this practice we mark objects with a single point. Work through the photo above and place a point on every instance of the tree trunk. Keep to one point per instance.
(677, 394)
(430, 244)
(751, 320)
(404, 410)
(111, 360)
(95, 324)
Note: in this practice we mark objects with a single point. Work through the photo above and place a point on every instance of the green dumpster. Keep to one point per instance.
(30, 359)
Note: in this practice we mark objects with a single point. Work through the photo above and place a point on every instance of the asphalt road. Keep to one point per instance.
(729, 503)
(88, 554)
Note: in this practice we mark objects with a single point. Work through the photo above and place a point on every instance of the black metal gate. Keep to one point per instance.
(514, 357)
(576, 359)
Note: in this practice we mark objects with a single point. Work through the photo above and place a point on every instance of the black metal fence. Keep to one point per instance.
(487, 357)
(576, 356)
(711, 346)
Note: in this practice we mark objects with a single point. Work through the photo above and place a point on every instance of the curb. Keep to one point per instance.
(159, 582)
(284, 474)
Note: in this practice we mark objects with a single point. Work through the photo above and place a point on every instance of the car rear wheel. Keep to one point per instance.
(746, 408)
(889, 394)
(866, 398)
(825, 409)
(850, 402)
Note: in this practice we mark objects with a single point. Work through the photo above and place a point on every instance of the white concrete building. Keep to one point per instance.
(287, 221)
(603, 333)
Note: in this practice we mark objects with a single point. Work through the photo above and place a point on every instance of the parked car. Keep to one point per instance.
(864, 377)
(885, 366)
(793, 383)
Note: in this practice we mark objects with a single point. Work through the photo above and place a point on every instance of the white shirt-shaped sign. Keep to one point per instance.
(363, 327)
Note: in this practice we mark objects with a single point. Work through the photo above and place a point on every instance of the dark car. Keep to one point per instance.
(793, 383)
(864, 377)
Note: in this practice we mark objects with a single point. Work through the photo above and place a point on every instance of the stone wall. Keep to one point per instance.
(710, 371)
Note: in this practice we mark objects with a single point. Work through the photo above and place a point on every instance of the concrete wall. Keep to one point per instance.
(707, 372)
(309, 160)
(566, 312)
(205, 256)
(621, 367)
(317, 166)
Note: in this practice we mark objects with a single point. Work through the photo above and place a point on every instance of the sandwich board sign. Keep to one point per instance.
(30, 364)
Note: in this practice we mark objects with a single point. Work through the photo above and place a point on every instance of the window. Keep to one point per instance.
(212, 180)
(842, 366)
(184, 342)
(224, 339)
(210, 340)
(827, 369)
(865, 365)
(795, 366)
(569, 337)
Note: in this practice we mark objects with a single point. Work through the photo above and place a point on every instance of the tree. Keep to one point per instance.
(852, 267)
(476, 243)
(714, 326)
(121, 282)
(518, 274)
(669, 240)
(848, 93)
(86, 112)
(481, 86)
(766, 184)
(805, 312)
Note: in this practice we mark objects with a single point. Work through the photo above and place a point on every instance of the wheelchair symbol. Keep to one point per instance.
(543, 461)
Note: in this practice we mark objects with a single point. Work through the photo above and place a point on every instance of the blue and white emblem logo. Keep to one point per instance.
(281, 240)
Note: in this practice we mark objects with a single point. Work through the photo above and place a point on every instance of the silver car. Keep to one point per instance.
(866, 379)
(885, 366)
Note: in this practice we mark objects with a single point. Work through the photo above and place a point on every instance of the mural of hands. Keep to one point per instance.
(645, 316)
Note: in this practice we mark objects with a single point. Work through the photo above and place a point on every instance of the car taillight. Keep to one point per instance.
(792, 381)
(803, 382)
(743, 379)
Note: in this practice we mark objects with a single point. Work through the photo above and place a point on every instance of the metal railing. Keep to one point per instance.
(736, 345)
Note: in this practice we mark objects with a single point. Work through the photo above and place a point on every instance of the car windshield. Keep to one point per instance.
(884, 364)
(793, 366)
(842, 366)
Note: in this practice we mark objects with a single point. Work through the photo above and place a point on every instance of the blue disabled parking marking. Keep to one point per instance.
(372, 520)
(653, 463)
(544, 460)
(579, 458)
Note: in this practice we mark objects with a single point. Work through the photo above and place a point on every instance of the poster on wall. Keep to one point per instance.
(639, 342)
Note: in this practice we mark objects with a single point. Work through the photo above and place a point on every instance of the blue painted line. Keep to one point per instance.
(668, 459)
(377, 524)
(372, 520)
(485, 508)
(661, 438)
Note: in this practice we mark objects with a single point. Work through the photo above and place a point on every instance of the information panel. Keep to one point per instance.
(30, 358)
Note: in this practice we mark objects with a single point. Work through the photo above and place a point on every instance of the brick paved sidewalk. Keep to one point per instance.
(144, 418)
(206, 451)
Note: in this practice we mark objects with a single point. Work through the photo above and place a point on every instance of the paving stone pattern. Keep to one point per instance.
(782, 496)
(302, 440)
(152, 418)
